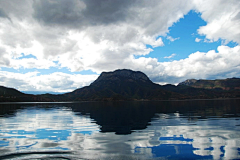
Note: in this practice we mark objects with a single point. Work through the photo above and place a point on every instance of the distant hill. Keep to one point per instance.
(133, 85)
(13, 95)
(191, 92)
(219, 84)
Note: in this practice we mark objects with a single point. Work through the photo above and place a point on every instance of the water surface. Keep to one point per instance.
(206, 129)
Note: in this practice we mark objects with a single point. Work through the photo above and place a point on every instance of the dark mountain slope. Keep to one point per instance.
(191, 92)
(122, 85)
(13, 95)
(6, 92)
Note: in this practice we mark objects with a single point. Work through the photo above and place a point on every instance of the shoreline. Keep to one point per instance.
(120, 101)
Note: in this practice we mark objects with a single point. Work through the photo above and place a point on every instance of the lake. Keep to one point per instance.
(196, 129)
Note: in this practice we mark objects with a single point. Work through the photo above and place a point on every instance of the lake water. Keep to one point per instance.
(204, 129)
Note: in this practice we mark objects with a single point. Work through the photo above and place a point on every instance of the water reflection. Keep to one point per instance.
(178, 129)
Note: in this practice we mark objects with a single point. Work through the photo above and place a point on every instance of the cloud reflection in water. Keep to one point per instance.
(172, 135)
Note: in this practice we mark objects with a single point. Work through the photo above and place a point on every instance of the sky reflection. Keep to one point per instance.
(172, 135)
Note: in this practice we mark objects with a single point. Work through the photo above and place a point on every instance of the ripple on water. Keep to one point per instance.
(97, 131)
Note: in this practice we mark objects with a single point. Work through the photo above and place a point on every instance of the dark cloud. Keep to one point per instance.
(78, 13)
(18, 8)
(3, 14)
(13, 82)
(107, 11)
(61, 12)
(3, 60)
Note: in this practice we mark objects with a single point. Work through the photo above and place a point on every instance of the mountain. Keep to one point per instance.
(13, 95)
(122, 85)
(191, 92)
(8, 92)
(133, 85)
(219, 84)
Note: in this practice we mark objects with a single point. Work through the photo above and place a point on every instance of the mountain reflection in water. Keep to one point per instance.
(125, 130)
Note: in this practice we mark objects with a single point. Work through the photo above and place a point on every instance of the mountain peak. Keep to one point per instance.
(122, 74)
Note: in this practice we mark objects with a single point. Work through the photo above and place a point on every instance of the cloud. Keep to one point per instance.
(172, 39)
(32, 63)
(107, 35)
(48, 29)
(78, 14)
(208, 40)
(200, 65)
(197, 40)
(4, 61)
(57, 81)
(222, 21)
(171, 56)
(3, 14)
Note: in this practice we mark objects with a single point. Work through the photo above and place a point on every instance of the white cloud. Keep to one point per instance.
(32, 63)
(198, 40)
(200, 65)
(80, 37)
(208, 40)
(222, 17)
(56, 82)
(172, 39)
(171, 56)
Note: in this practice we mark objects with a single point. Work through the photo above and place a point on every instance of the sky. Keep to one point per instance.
(62, 45)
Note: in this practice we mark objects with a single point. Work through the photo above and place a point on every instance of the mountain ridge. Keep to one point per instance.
(218, 84)
(121, 85)
(125, 84)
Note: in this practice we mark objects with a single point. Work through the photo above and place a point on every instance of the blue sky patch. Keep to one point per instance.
(185, 32)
